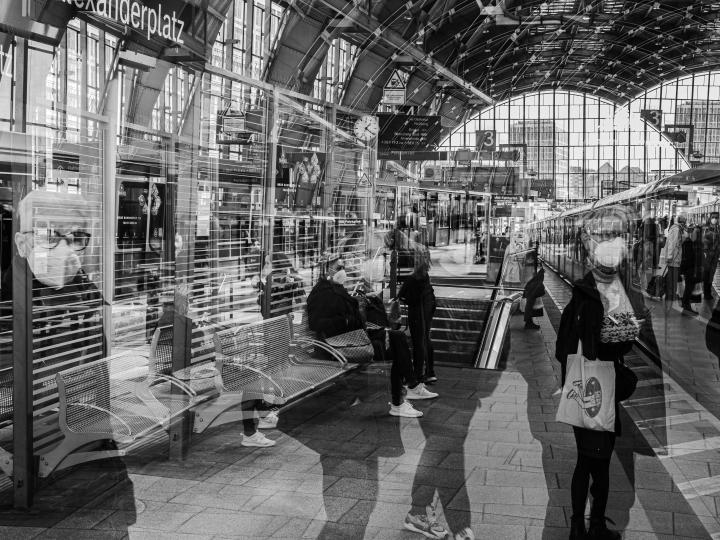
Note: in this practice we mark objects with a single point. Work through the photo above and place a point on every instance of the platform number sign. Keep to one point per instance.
(652, 117)
(486, 140)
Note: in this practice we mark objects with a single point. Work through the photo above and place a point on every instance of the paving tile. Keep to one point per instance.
(20, 533)
(230, 525)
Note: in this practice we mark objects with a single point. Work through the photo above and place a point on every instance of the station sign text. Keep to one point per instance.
(153, 22)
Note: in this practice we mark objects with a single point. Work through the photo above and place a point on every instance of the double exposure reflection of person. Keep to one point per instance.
(55, 241)
(602, 318)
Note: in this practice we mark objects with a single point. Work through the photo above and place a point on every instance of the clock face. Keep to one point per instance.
(366, 127)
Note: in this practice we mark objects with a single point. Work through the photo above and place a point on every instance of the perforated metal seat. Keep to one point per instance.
(109, 399)
(264, 360)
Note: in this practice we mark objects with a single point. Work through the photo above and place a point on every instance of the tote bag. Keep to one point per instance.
(588, 397)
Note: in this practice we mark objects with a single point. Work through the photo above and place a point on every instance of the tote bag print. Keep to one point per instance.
(588, 397)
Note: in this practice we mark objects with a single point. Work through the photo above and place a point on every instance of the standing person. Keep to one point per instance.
(711, 253)
(601, 317)
(673, 257)
(534, 289)
(419, 295)
(689, 266)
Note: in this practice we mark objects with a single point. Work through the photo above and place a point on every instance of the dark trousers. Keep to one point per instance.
(690, 282)
(599, 469)
(250, 416)
(708, 277)
(671, 281)
(529, 303)
(402, 368)
(423, 359)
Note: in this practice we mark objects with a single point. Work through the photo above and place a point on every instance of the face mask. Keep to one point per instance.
(340, 276)
(54, 267)
(610, 253)
(713, 221)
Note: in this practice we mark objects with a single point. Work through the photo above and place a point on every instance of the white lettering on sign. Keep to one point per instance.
(133, 13)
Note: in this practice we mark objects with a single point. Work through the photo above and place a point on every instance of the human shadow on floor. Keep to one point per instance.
(441, 477)
(102, 488)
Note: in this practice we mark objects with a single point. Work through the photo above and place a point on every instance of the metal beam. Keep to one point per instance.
(402, 46)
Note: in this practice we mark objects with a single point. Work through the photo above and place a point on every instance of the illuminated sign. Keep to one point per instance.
(153, 22)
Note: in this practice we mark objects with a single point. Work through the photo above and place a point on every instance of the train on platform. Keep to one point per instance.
(682, 346)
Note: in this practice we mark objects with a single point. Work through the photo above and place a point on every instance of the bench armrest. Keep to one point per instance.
(239, 367)
(324, 346)
(177, 382)
(103, 410)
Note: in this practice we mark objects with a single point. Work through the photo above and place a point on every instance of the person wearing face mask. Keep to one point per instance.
(53, 240)
(601, 316)
(711, 253)
(331, 310)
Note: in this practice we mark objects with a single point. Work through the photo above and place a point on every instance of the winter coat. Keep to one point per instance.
(673, 246)
(535, 287)
(331, 310)
(581, 320)
(419, 295)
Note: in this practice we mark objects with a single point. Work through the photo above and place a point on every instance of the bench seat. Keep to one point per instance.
(265, 361)
(111, 400)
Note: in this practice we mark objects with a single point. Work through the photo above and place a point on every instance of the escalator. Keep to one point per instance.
(471, 324)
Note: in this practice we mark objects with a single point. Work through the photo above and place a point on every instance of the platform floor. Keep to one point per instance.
(488, 451)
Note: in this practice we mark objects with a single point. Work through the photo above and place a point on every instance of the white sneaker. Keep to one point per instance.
(257, 439)
(270, 421)
(420, 392)
(405, 409)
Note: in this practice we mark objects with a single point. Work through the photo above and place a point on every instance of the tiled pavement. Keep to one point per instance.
(488, 450)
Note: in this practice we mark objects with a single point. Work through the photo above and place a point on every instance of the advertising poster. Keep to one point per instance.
(307, 170)
(140, 215)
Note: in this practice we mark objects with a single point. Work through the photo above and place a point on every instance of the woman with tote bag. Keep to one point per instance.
(597, 329)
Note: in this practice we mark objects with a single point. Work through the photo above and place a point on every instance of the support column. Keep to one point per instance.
(109, 203)
(24, 471)
(268, 217)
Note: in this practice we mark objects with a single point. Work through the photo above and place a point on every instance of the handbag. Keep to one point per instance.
(656, 286)
(354, 345)
(588, 396)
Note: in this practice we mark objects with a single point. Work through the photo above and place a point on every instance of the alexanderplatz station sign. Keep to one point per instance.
(172, 28)
(151, 21)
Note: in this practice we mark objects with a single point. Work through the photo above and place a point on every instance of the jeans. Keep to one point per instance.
(599, 469)
(402, 367)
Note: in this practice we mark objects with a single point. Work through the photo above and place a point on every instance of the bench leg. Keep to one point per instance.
(207, 413)
(51, 460)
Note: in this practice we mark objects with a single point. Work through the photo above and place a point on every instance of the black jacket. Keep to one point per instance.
(419, 295)
(331, 310)
(581, 320)
(535, 288)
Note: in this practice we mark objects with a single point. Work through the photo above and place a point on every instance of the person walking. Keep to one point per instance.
(711, 253)
(418, 294)
(534, 289)
(600, 317)
(689, 267)
(673, 257)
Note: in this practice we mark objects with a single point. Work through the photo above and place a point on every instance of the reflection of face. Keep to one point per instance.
(55, 232)
(336, 272)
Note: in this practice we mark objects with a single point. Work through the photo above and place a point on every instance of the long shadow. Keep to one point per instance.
(92, 499)
(441, 477)
(349, 433)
